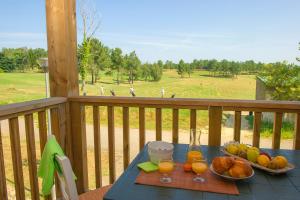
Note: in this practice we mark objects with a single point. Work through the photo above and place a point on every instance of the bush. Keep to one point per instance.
(266, 127)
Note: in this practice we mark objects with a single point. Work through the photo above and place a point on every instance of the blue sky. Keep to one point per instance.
(262, 30)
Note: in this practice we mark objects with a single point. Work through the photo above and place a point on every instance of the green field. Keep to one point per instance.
(18, 87)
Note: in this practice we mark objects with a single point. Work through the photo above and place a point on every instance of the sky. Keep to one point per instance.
(262, 30)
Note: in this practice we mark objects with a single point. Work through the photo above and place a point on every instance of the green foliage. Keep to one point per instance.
(117, 62)
(181, 68)
(84, 53)
(132, 65)
(283, 79)
(287, 131)
(20, 59)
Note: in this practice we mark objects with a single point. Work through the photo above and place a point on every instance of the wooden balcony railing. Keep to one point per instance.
(214, 107)
(12, 112)
(68, 116)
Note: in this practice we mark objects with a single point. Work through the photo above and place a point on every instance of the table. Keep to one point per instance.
(261, 187)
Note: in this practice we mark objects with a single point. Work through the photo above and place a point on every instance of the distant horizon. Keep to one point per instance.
(172, 30)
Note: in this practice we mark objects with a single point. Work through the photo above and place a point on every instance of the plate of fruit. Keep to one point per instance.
(257, 158)
(231, 168)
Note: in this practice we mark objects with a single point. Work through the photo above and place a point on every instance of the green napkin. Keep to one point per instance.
(148, 166)
(48, 164)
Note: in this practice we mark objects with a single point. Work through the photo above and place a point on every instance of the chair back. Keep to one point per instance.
(66, 179)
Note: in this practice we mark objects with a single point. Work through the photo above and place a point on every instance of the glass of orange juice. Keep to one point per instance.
(194, 155)
(165, 167)
(199, 167)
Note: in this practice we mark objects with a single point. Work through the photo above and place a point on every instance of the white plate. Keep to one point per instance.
(229, 177)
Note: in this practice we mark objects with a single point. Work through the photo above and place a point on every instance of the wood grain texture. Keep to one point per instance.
(175, 127)
(79, 146)
(158, 124)
(297, 132)
(62, 47)
(42, 121)
(16, 109)
(3, 188)
(126, 138)
(193, 103)
(193, 119)
(111, 144)
(237, 126)
(142, 127)
(16, 158)
(215, 124)
(256, 129)
(31, 152)
(277, 130)
(97, 146)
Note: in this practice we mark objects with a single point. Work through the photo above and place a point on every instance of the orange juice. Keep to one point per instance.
(193, 155)
(165, 167)
(199, 167)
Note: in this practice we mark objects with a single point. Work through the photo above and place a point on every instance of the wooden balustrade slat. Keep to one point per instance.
(32, 164)
(297, 132)
(215, 125)
(256, 129)
(42, 120)
(126, 139)
(277, 130)
(158, 124)
(97, 146)
(16, 158)
(79, 146)
(237, 126)
(142, 127)
(111, 144)
(3, 188)
(193, 119)
(175, 126)
(56, 131)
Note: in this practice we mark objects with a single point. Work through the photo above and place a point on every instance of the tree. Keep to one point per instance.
(132, 65)
(117, 62)
(181, 68)
(283, 79)
(155, 72)
(91, 24)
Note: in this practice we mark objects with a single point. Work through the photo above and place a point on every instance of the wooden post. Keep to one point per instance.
(62, 47)
(142, 127)
(215, 126)
(79, 146)
(256, 129)
(237, 126)
(277, 130)
(3, 188)
(297, 132)
(175, 126)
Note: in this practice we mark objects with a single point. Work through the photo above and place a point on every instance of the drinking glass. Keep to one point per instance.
(165, 167)
(199, 167)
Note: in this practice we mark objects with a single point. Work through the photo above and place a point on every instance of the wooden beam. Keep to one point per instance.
(215, 125)
(158, 124)
(111, 144)
(97, 146)
(62, 47)
(193, 119)
(29, 128)
(16, 158)
(237, 126)
(142, 127)
(256, 129)
(3, 188)
(79, 146)
(175, 126)
(297, 132)
(277, 130)
(126, 138)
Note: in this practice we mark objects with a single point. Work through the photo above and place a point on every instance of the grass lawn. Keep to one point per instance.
(18, 87)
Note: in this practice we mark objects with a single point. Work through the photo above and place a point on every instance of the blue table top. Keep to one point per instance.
(262, 186)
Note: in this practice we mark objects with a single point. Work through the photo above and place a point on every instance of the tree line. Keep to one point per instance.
(20, 59)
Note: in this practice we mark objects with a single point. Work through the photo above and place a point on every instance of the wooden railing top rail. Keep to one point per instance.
(227, 104)
(10, 109)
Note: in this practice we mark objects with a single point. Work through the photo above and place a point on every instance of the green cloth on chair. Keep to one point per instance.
(49, 165)
(148, 166)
